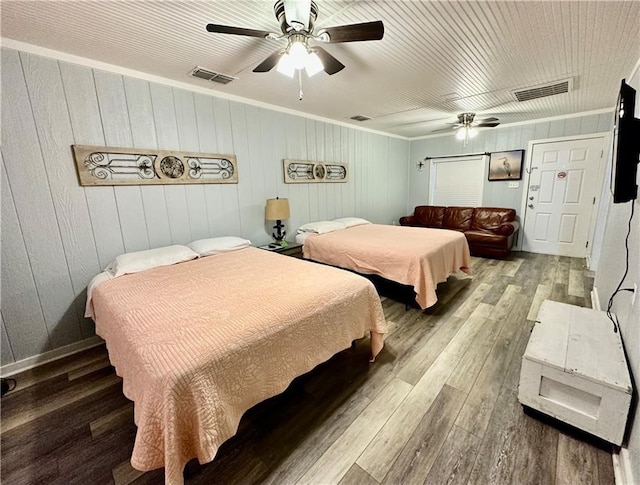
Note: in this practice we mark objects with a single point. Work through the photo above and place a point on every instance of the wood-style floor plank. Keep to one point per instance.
(456, 458)
(420, 452)
(577, 462)
(346, 421)
(337, 460)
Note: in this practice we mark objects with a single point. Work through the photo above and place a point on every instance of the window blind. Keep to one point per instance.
(457, 181)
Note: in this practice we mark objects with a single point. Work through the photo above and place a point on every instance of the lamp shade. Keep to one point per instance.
(277, 209)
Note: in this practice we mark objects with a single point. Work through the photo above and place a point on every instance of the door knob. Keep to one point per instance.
(530, 206)
(531, 198)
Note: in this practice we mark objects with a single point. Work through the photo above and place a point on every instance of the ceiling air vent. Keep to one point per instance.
(360, 118)
(551, 89)
(216, 77)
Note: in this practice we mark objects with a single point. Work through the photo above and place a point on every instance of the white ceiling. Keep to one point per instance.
(437, 59)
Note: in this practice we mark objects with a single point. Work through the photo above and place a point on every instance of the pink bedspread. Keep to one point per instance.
(414, 256)
(200, 342)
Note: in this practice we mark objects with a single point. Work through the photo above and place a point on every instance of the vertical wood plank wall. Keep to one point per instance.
(57, 235)
(497, 193)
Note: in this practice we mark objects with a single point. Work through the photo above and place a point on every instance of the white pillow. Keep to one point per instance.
(352, 221)
(217, 245)
(321, 227)
(151, 258)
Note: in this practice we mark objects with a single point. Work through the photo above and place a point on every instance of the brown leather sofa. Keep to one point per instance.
(490, 231)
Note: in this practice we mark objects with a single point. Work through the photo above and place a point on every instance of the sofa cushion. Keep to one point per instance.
(429, 215)
(458, 218)
(483, 237)
(491, 217)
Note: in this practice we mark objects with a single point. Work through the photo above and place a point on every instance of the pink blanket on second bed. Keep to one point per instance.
(414, 256)
(200, 342)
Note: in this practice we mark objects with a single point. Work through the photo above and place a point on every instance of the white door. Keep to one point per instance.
(565, 178)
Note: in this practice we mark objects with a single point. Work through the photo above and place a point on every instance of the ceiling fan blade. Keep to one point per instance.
(442, 130)
(487, 125)
(225, 29)
(353, 32)
(330, 63)
(269, 62)
(488, 120)
(297, 12)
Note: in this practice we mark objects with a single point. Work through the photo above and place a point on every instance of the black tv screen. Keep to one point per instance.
(626, 147)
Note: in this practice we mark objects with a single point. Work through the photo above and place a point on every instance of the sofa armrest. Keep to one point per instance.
(507, 228)
(407, 220)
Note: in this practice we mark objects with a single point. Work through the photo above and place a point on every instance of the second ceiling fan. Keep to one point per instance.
(466, 126)
(297, 21)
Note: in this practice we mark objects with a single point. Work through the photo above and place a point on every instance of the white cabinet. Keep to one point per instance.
(574, 369)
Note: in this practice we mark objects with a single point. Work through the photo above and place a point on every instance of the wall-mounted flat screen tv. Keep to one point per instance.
(626, 147)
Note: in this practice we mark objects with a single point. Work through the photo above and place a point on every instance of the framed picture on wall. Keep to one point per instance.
(506, 165)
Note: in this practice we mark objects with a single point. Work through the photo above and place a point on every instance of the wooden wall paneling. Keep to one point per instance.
(44, 85)
(382, 179)
(164, 116)
(334, 142)
(245, 187)
(324, 203)
(188, 139)
(589, 124)
(399, 166)
(207, 143)
(312, 154)
(82, 104)
(224, 138)
(143, 134)
(542, 130)
(273, 151)
(256, 199)
(114, 113)
(358, 174)
(33, 201)
(572, 126)
(278, 132)
(22, 315)
(345, 153)
(605, 122)
(6, 355)
(298, 193)
(556, 128)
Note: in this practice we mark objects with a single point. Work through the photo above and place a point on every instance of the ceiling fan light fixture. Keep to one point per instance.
(313, 64)
(286, 66)
(298, 53)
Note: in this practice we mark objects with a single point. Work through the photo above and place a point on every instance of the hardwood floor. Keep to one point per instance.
(439, 405)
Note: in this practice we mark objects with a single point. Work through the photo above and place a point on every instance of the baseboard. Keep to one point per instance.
(622, 468)
(59, 353)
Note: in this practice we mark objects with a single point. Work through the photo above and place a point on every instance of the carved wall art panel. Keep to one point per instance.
(129, 166)
(306, 172)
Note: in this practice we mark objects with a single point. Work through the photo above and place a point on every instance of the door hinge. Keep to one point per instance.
(601, 153)
(594, 201)
(586, 245)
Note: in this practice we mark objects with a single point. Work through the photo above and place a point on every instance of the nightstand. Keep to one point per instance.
(293, 249)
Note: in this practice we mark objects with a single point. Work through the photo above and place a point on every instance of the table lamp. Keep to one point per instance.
(277, 209)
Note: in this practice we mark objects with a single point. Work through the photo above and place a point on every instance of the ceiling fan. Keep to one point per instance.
(466, 126)
(297, 21)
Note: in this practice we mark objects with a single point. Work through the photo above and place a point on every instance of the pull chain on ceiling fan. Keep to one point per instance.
(297, 21)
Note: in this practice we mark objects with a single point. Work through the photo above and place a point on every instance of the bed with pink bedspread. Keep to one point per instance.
(198, 343)
(413, 256)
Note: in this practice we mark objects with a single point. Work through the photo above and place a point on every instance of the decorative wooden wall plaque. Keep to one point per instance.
(308, 172)
(129, 166)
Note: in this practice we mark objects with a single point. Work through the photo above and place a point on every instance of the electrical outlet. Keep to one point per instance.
(514, 185)
(635, 294)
